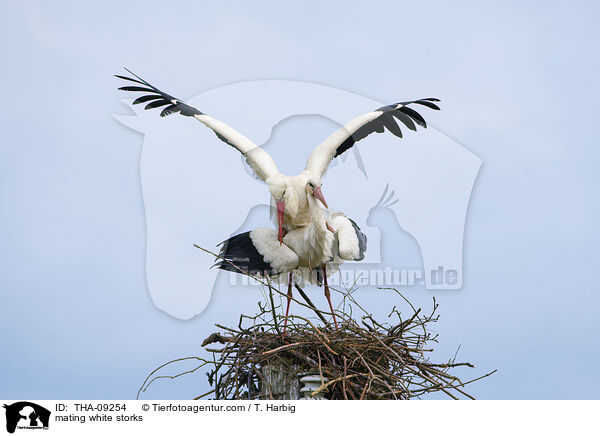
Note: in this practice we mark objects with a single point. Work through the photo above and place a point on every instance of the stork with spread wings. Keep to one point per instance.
(290, 193)
(307, 236)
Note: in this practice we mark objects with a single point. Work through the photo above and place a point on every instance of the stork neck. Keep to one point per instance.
(317, 215)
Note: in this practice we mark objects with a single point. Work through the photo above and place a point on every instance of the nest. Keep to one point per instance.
(362, 359)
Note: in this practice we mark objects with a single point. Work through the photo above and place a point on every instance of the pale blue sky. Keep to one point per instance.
(519, 89)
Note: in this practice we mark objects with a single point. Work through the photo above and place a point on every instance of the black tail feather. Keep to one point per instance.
(238, 254)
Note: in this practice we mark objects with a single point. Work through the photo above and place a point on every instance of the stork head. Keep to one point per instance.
(313, 188)
(286, 201)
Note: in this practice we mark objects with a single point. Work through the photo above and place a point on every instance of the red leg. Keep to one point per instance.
(289, 300)
(328, 295)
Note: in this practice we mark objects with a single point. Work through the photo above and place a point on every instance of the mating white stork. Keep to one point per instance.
(328, 239)
(305, 236)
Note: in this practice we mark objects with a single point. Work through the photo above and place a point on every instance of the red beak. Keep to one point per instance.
(319, 196)
(280, 214)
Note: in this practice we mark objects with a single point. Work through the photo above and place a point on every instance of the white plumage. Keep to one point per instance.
(290, 191)
(304, 253)
(308, 237)
(279, 257)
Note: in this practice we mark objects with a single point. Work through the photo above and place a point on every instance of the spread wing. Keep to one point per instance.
(259, 160)
(360, 127)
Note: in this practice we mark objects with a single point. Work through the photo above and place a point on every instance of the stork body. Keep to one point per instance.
(313, 242)
(327, 240)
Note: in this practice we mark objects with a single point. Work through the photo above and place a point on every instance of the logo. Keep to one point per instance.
(26, 415)
(409, 196)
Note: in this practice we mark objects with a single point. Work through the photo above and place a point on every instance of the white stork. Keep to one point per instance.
(328, 239)
(290, 193)
(307, 236)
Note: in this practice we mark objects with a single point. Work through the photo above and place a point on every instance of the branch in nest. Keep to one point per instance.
(370, 360)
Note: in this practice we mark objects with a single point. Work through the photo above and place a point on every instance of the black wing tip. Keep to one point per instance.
(422, 101)
(408, 115)
(133, 74)
(135, 88)
(160, 98)
(137, 78)
(427, 102)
